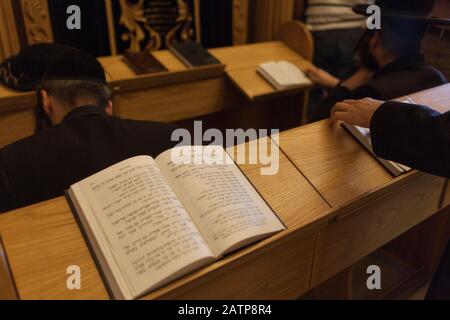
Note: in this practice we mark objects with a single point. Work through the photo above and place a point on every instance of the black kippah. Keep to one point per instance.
(76, 65)
(24, 71)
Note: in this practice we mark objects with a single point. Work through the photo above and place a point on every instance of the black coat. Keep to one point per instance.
(43, 166)
(399, 78)
(420, 138)
(413, 135)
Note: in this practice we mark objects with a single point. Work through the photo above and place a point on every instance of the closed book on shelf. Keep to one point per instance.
(143, 62)
(193, 54)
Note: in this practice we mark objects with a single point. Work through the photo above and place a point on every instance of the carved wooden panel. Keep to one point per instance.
(149, 24)
(268, 16)
(37, 21)
(240, 21)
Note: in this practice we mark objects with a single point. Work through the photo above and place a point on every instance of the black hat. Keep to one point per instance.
(75, 65)
(409, 10)
(23, 71)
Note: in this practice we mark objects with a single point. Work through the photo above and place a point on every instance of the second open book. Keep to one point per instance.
(150, 221)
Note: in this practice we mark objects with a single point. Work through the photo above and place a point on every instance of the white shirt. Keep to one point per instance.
(334, 14)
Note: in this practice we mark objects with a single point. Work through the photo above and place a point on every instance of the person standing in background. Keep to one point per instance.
(336, 30)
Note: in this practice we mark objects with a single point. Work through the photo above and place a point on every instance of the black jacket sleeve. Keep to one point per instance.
(413, 135)
(339, 94)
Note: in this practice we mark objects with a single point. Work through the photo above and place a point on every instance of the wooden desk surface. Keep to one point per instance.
(323, 237)
(332, 160)
(11, 100)
(118, 70)
(242, 62)
(252, 55)
(235, 58)
(44, 239)
(179, 94)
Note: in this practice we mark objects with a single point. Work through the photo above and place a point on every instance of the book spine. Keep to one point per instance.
(181, 57)
(88, 243)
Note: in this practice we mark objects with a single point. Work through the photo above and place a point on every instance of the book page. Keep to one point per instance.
(139, 219)
(227, 209)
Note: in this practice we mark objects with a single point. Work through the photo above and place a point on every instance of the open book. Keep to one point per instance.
(364, 137)
(283, 75)
(150, 221)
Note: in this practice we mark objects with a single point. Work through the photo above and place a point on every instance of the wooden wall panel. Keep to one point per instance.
(9, 41)
(268, 16)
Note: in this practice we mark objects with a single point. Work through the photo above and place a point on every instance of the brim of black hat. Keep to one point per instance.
(22, 86)
(362, 10)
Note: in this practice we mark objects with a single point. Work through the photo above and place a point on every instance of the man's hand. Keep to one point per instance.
(360, 78)
(321, 77)
(355, 112)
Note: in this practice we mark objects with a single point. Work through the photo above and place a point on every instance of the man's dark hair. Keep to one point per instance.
(402, 37)
(70, 92)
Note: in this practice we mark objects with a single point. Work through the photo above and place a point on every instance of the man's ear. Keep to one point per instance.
(46, 103)
(109, 108)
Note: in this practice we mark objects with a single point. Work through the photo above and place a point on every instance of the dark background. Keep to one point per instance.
(216, 24)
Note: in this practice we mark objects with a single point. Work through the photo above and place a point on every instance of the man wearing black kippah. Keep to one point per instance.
(76, 136)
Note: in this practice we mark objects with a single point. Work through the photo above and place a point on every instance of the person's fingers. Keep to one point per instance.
(350, 101)
(310, 73)
(341, 107)
(340, 116)
(313, 76)
(311, 70)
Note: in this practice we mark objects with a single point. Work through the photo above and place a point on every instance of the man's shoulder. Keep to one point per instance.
(403, 82)
(22, 144)
(27, 143)
(149, 125)
(157, 136)
(149, 129)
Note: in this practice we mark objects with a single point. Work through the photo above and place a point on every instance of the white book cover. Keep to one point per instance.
(283, 74)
